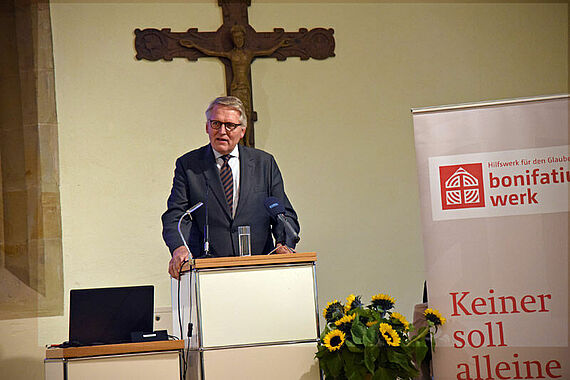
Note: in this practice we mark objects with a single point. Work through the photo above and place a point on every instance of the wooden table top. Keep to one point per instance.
(113, 349)
(253, 260)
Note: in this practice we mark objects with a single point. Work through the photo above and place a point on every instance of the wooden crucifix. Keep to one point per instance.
(237, 45)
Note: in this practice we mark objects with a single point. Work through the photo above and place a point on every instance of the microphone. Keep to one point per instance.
(277, 210)
(192, 209)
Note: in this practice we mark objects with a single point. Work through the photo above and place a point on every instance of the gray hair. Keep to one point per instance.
(230, 102)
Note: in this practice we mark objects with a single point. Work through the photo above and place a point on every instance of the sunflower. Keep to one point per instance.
(345, 323)
(434, 316)
(334, 311)
(352, 302)
(400, 319)
(383, 301)
(334, 340)
(390, 336)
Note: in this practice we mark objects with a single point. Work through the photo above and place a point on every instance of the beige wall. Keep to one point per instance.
(340, 129)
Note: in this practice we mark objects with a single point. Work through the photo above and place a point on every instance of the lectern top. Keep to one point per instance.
(238, 261)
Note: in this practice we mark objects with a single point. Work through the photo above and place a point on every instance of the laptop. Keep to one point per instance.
(109, 315)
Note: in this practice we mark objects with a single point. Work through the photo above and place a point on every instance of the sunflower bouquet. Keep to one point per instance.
(372, 342)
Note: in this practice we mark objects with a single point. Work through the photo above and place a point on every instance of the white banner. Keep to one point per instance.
(494, 198)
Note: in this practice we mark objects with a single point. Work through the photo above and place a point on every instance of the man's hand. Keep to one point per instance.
(179, 255)
(283, 249)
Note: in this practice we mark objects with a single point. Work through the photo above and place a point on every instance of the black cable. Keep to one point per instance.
(189, 334)
(185, 356)
(184, 364)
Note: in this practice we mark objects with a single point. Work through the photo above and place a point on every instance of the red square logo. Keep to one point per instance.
(461, 186)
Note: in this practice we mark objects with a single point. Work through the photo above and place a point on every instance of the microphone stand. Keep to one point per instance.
(207, 230)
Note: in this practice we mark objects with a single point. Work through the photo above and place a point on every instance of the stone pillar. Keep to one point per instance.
(30, 232)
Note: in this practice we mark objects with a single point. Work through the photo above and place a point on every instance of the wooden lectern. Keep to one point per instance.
(253, 317)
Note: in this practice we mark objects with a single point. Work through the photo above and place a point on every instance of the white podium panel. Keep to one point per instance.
(283, 362)
(54, 370)
(263, 305)
(141, 366)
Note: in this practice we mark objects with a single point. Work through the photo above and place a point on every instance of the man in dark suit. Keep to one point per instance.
(233, 182)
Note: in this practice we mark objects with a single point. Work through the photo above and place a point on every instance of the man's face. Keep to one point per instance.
(224, 141)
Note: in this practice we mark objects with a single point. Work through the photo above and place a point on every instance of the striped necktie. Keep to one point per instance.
(227, 181)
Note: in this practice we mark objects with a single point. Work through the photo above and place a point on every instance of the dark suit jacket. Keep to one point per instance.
(197, 179)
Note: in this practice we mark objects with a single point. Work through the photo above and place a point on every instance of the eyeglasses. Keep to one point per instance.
(216, 124)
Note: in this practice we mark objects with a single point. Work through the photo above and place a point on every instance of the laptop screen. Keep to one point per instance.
(109, 315)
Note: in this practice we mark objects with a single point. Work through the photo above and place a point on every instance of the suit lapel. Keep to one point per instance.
(212, 175)
(246, 171)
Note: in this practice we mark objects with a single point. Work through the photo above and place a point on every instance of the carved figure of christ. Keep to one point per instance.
(237, 45)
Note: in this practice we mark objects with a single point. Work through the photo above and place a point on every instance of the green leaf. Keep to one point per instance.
(324, 367)
(348, 357)
(335, 365)
(376, 315)
(397, 357)
(369, 361)
(354, 368)
(370, 356)
(323, 352)
(357, 374)
(354, 376)
(357, 331)
(420, 350)
(351, 372)
(383, 374)
(352, 347)
(371, 336)
(401, 363)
